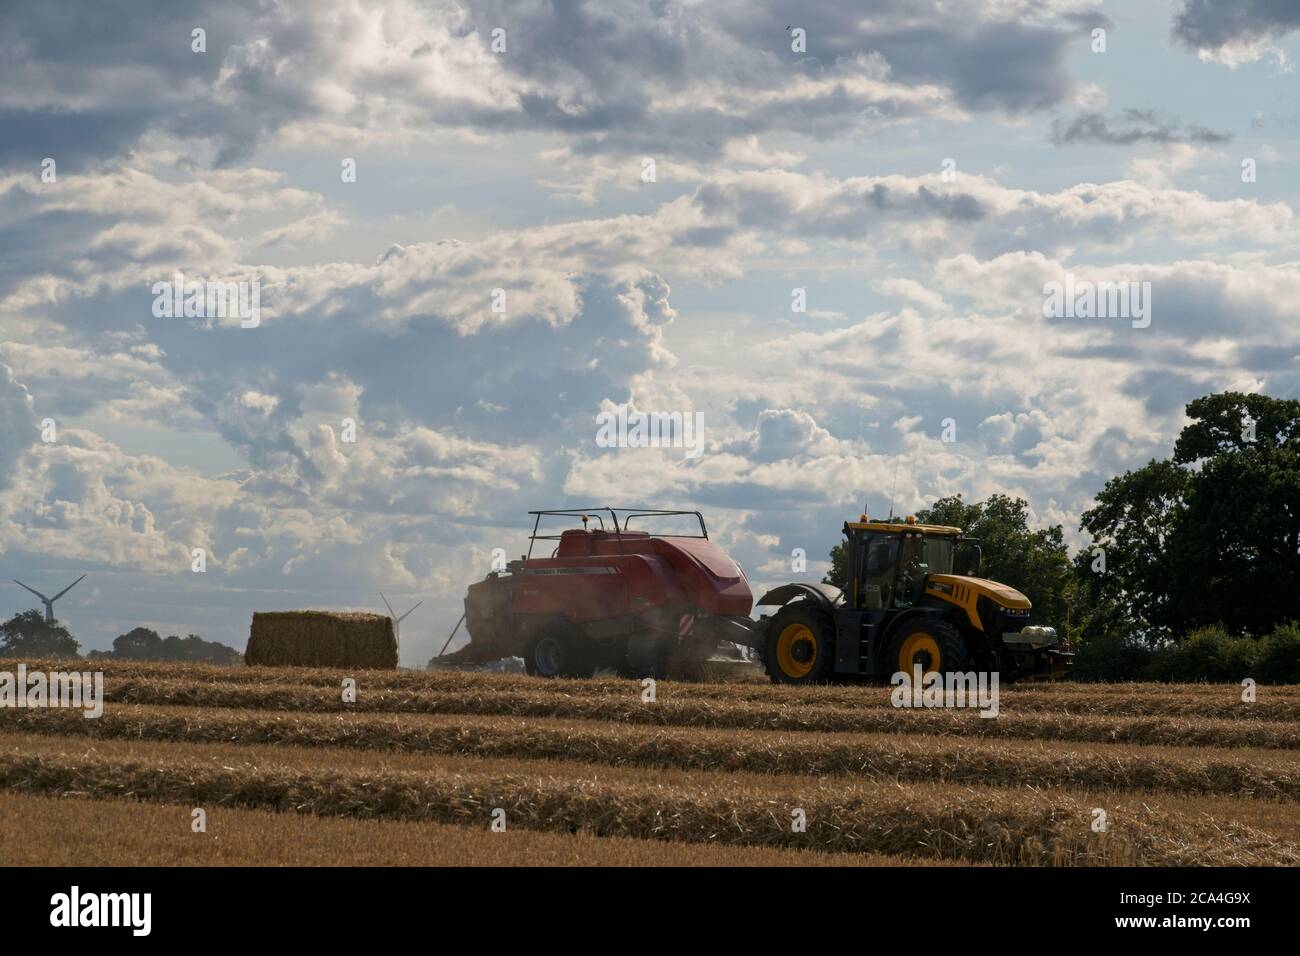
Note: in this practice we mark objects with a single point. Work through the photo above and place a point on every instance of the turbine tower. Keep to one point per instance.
(397, 621)
(49, 602)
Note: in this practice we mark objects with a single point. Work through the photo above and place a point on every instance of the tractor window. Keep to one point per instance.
(921, 555)
(938, 555)
(911, 570)
(879, 556)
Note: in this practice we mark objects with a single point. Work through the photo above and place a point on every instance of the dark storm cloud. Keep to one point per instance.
(83, 81)
(988, 62)
(1164, 391)
(611, 77)
(1210, 24)
(1133, 126)
(74, 140)
(959, 206)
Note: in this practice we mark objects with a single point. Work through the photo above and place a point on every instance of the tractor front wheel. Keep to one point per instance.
(934, 645)
(800, 646)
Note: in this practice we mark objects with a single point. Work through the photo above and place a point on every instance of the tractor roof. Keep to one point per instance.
(902, 526)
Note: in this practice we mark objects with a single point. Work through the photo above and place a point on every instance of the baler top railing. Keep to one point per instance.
(598, 514)
(584, 513)
(704, 532)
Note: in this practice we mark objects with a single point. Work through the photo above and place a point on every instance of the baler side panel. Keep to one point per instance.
(593, 588)
(709, 577)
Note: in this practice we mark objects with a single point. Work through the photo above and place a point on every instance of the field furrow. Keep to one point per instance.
(668, 710)
(985, 824)
(590, 771)
(1257, 773)
(76, 831)
(1215, 701)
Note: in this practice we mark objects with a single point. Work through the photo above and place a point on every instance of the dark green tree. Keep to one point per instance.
(1127, 571)
(838, 575)
(1211, 536)
(27, 634)
(139, 643)
(142, 643)
(194, 648)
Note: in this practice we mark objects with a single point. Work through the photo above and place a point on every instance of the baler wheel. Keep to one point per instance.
(559, 651)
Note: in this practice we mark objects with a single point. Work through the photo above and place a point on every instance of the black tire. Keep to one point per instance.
(800, 645)
(919, 641)
(559, 650)
(655, 664)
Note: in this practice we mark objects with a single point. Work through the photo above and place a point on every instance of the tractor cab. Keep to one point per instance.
(889, 561)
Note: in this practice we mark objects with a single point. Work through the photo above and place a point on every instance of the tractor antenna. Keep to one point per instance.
(893, 489)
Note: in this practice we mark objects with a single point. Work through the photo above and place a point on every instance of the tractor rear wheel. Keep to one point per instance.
(800, 645)
(933, 644)
(559, 651)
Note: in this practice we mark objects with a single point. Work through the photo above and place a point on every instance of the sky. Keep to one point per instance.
(825, 231)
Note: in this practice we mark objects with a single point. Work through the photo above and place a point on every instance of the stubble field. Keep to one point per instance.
(419, 767)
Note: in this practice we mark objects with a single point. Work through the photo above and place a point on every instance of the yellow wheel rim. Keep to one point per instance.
(916, 649)
(796, 650)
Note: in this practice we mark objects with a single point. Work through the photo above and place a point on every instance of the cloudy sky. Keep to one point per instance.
(648, 184)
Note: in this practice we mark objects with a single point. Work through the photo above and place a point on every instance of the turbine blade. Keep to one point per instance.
(404, 616)
(391, 613)
(33, 590)
(67, 589)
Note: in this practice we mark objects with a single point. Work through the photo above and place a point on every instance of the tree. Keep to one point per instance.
(1133, 523)
(1212, 535)
(194, 648)
(838, 575)
(139, 643)
(27, 634)
(1036, 563)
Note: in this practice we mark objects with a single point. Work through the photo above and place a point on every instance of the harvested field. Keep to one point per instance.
(1217, 701)
(672, 709)
(75, 831)
(1186, 774)
(1254, 773)
(982, 825)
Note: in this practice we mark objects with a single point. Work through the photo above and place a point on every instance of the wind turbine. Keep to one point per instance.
(397, 621)
(49, 602)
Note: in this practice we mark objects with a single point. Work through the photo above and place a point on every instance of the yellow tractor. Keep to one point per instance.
(906, 604)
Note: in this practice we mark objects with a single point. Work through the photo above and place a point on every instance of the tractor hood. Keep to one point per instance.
(965, 593)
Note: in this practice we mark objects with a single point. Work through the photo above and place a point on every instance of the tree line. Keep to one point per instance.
(28, 634)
